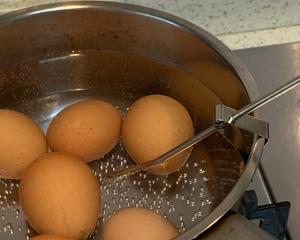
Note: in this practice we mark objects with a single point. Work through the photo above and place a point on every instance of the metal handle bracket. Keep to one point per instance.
(254, 125)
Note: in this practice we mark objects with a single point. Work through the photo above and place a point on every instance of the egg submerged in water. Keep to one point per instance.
(88, 129)
(154, 125)
(137, 224)
(60, 195)
(21, 142)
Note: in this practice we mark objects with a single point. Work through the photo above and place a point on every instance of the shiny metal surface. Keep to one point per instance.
(117, 52)
(260, 185)
(271, 67)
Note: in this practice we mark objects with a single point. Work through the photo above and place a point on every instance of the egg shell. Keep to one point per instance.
(21, 142)
(51, 237)
(154, 125)
(60, 195)
(88, 129)
(137, 224)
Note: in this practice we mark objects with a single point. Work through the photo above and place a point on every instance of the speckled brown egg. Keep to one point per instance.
(137, 224)
(154, 125)
(21, 142)
(87, 129)
(60, 195)
(51, 237)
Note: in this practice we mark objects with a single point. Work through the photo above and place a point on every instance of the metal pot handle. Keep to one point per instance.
(235, 227)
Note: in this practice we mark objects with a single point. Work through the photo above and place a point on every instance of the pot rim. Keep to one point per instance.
(231, 58)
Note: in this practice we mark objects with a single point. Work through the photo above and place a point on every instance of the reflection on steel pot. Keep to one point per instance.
(55, 55)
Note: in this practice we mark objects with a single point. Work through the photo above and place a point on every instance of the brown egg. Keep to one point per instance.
(51, 237)
(87, 129)
(154, 125)
(60, 195)
(21, 142)
(137, 224)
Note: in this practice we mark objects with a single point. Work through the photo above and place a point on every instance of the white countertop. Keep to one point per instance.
(238, 23)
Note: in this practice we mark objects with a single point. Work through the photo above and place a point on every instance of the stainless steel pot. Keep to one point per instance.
(57, 54)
